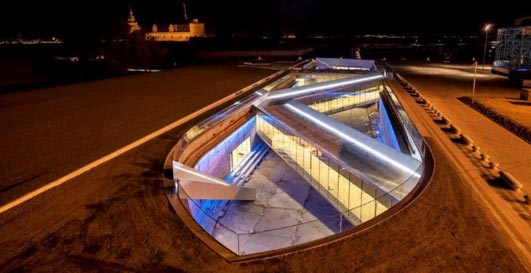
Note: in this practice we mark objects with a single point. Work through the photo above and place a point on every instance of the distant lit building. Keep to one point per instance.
(177, 32)
(513, 50)
(171, 33)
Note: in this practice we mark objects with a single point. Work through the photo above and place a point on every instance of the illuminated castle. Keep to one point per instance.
(178, 32)
(131, 21)
(173, 33)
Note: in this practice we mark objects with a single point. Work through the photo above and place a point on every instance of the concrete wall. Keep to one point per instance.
(251, 53)
(386, 129)
(193, 151)
(216, 162)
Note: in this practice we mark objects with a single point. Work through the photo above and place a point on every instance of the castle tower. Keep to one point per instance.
(197, 29)
(131, 21)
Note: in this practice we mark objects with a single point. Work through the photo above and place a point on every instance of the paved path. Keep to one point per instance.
(504, 206)
(442, 84)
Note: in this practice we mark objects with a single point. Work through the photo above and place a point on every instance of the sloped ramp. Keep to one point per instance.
(197, 185)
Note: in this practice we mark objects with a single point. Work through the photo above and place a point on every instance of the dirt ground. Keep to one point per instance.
(132, 229)
(49, 132)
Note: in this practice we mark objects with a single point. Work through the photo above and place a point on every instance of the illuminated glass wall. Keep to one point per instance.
(344, 101)
(237, 156)
(352, 196)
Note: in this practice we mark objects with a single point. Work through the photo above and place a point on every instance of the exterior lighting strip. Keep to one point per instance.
(353, 140)
(325, 86)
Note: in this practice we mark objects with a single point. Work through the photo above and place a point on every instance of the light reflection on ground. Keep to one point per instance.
(454, 70)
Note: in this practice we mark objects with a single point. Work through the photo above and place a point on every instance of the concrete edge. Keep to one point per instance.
(231, 257)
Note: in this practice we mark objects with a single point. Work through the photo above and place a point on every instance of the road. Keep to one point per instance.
(116, 218)
(47, 133)
(442, 84)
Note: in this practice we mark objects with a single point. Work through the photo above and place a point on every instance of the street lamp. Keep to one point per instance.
(474, 83)
(487, 27)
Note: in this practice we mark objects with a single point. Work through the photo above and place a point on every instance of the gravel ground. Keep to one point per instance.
(49, 132)
(515, 117)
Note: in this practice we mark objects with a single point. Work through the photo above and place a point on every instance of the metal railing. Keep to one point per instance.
(248, 241)
(243, 242)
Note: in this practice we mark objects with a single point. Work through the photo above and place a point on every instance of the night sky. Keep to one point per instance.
(258, 17)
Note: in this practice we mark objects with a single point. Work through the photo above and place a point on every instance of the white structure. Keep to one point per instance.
(203, 186)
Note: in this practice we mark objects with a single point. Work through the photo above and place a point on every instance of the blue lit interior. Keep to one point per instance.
(388, 136)
(346, 149)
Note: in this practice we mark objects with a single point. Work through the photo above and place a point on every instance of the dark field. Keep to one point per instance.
(115, 218)
(49, 132)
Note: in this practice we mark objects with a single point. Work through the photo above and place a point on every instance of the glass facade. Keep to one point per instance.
(352, 196)
(334, 102)
(307, 79)
(359, 176)
(238, 154)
